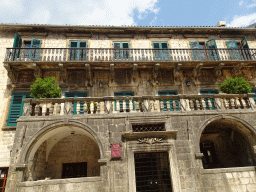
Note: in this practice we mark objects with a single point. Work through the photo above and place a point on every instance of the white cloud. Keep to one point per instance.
(252, 5)
(79, 12)
(241, 3)
(153, 21)
(242, 21)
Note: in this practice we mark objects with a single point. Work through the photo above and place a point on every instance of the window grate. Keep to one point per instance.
(152, 172)
(148, 127)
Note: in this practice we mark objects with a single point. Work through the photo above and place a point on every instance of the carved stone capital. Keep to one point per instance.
(177, 74)
(12, 74)
(196, 70)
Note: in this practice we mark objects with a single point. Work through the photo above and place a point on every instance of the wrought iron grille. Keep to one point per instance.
(148, 127)
(152, 172)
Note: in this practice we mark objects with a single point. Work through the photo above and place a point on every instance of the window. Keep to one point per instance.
(161, 51)
(120, 52)
(124, 94)
(3, 178)
(234, 53)
(198, 50)
(73, 170)
(148, 127)
(77, 94)
(78, 51)
(166, 93)
(213, 52)
(209, 92)
(16, 108)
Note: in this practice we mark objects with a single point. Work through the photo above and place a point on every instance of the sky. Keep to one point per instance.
(236, 13)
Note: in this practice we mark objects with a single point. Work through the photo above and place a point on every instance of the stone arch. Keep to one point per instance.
(44, 133)
(226, 141)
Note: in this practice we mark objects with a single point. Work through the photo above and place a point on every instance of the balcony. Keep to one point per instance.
(91, 55)
(139, 104)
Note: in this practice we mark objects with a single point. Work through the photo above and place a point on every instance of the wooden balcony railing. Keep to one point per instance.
(126, 55)
(135, 104)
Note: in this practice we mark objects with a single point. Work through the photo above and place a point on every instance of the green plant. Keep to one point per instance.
(237, 85)
(45, 88)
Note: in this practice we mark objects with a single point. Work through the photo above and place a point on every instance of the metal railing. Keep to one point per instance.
(135, 104)
(132, 55)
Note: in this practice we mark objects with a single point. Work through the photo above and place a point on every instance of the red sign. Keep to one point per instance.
(115, 150)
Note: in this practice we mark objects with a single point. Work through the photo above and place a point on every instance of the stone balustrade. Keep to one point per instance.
(137, 104)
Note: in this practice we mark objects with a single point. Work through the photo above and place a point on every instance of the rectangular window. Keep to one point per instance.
(209, 92)
(121, 51)
(246, 52)
(78, 51)
(234, 52)
(73, 170)
(3, 178)
(166, 93)
(148, 127)
(16, 108)
(124, 94)
(198, 50)
(161, 51)
(77, 94)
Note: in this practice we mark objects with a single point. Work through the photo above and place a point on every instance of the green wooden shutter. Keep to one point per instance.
(125, 53)
(195, 53)
(166, 93)
(234, 53)
(82, 52)
(16, 108)
(209, 92)
(73, 53)
(213, 54)
(254, 91)
(16, 44)
(162, 54)
(246, 52)
(35, 53)
(75, 95)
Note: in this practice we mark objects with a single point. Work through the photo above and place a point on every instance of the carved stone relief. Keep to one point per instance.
(150, 141)
(123, 76)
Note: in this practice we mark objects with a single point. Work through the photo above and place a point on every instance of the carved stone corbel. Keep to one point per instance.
(156, 71)
(177, 74)
(88, 73)
(237, 69)
(135, 72)
(112, 72)
(37, 70)
(63, 73)
(12, 74)
(217, 70)
(196, 70)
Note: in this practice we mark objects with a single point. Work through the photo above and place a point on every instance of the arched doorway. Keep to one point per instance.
(227, 143)
(65, 152)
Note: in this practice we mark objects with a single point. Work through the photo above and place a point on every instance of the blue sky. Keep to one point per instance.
(237, 13)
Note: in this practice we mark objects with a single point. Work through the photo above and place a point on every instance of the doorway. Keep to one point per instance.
(152, 172)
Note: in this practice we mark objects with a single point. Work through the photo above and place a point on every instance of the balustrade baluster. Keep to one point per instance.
(78, 107)
(209, 103)
(44, 109)
(203, 104)
(85, 107)
(226, 103)
(51, 109)
(131, 105)
(168, 106)
(137, 106)
(117, 106)
(155, 104)
(58, 108)
(98, 107)
(192, 105)
(232, 103)
(36, 109)
(243, 103)
(124, 106)
(161, 105)
(197, 105)
(237, 103)
(91, 107)
(174, 106)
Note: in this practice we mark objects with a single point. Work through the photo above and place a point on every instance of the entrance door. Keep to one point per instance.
(3, 178)
(152, 172)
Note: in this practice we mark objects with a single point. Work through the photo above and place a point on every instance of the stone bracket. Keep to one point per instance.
(63, 72)
(12, 74)
(135, 72)
(112, 72)
(177, 72)
(199, 155)
(217, 69)
(37, 71)
(196, 70)
(237, 69)
(88, 74)
(156, 71)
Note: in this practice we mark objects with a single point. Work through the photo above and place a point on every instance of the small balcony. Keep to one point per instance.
(139, 104)
(91, 55)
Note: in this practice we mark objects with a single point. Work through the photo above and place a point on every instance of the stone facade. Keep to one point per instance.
(54, 132)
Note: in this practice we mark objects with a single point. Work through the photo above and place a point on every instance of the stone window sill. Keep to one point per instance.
(59, 181)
